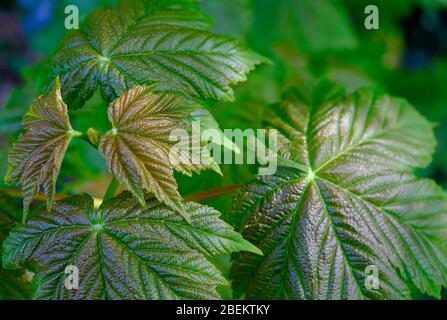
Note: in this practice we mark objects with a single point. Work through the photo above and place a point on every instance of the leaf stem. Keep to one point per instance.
(92, 136)
(111, 189)
(86, 138)
(114, 184)
(213, 193)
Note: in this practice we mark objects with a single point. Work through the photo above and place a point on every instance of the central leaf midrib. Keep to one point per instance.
(147, 12)
(166, 223)
(75, 254)
(153, 271)
(290, 234)
(190, 52)
(337, 237)
(376, 206)
(43, 147)
(128, 249)
(340, 154)
(386, 213)
(309, 161)
(364, 140)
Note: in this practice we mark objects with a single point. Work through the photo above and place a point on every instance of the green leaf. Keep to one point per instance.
(37, 155)
(124, 251)
(136, 43)
(137, 149)
(358, 205)
(312, 27)
(13, 285)
(207, 122)
(322, 25)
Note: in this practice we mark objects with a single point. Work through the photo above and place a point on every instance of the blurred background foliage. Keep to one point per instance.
(305, 39)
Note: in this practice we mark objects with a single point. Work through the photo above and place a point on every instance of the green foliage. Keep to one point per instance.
(166, 42)
(357, 203)
(124, 251)
(143, 121)
(161, 256)
(349, 199)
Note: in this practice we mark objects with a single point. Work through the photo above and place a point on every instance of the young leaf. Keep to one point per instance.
(37, 155)
(137, 149)
(124, 251)
(138, 43)
(12, 283)
(358, 211)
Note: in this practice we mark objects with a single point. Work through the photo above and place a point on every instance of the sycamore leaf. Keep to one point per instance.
(12, 283)
(142, 43)
(137, 149)
(37, 155)
(358, 210)
(124, 251)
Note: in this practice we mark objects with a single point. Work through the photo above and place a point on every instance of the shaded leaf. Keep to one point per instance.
(137, 43)
(358, 206)
(124, 251)
(37, 155)
(314, 27)
(13, 285)
(321, 25)
(137, 149)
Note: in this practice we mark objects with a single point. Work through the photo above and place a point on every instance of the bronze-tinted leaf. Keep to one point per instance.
(37, 155)
(138, 146)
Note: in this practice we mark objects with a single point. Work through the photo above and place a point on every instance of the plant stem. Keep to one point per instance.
(86, 138)
(213, 193)
(111, 190)
(16, 193)
(114, 184)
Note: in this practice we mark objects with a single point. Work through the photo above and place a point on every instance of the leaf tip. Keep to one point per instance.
(249, 247)
(185, 215)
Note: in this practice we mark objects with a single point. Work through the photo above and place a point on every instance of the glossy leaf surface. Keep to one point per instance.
(357, 211)
(124, 251)
(143, 42)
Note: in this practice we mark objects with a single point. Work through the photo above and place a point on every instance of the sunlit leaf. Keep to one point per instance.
(141, 43)
(357, 208)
